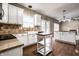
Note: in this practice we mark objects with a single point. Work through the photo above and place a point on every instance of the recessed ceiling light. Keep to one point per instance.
(29, 6)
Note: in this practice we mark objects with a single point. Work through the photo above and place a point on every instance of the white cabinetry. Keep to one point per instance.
(37, 19)
(32, 38)
(27, 38)
(67, 37)
(13, 52)
(13, 14)
(20, 16)
(23, 38)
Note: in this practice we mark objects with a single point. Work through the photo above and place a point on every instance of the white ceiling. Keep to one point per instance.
(55, 9)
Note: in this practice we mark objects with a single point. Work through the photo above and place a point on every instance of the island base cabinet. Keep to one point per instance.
(13, 52)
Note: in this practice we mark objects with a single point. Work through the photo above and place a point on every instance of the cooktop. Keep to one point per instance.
(7, 37)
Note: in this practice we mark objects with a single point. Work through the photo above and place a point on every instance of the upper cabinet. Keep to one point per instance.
(11, 14)
(37, 19)
(15, 15)
(20, 16)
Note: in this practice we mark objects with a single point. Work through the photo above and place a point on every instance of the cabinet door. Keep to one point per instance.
(23, 39)
(37, 20)
(34, 38)
(20, 16)
(12, 14)
(30, 39)
(13, 52)
(5, 9)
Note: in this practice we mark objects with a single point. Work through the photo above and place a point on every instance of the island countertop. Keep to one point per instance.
(9, 44)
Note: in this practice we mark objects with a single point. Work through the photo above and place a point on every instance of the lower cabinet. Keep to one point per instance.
(31, 38)
(13, 52)
(27, 38)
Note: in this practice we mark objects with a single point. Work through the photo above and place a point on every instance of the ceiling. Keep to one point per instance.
(55, 10)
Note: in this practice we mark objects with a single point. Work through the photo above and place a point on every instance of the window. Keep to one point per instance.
(28, 21)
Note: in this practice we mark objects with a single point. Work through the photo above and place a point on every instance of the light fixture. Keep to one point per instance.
(29, 6)
(64, 18)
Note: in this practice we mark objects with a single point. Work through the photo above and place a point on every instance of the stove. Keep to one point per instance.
(7, 37)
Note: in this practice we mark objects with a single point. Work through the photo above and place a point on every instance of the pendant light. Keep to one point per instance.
(29, 6)
(64, 18)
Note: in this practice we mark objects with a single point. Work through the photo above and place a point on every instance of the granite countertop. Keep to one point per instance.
(9, 44)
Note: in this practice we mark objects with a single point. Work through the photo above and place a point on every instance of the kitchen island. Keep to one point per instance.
(66, 37)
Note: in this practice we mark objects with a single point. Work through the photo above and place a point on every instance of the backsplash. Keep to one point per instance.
(14, 29)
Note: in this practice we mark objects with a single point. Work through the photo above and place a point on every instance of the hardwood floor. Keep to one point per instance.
(60, 49)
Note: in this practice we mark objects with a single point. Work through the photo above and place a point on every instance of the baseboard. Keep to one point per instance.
(65, 42)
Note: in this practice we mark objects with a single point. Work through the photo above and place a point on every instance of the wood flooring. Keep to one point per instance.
(59, 49)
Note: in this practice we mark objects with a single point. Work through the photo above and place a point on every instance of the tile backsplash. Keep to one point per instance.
(9, 29)
(14, 29)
